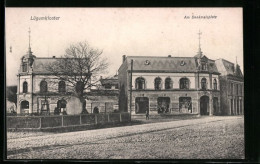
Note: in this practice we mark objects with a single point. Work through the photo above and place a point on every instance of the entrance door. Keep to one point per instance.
(215, 106)
(204, 105)
(141, 104)
(24, 107)
(163, 104)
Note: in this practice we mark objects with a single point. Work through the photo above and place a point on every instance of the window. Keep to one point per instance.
(25, 87)
(24, 67)
(204, 83)
(168, 83)
(184, 83)
(215, 84)
(203, 66)
(157, 83)
(43, 86)
(140, 83)
(62, 86)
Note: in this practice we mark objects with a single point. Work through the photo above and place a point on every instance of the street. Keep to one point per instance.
(216, 137)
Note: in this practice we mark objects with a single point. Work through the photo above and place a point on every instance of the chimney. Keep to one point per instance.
(124, 57)
(169, 56)
(53, 56)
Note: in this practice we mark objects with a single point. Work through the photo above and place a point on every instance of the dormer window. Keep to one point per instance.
(182, 63)
(147, 62)
(203, 66)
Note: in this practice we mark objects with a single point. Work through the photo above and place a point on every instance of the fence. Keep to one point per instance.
(43, 122)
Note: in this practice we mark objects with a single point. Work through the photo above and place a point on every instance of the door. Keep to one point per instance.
(204, 105)
(141, 105)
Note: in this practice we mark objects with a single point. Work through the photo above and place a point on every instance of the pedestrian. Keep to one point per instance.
(147, 113)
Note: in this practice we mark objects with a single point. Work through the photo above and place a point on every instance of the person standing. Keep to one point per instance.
(147, 113)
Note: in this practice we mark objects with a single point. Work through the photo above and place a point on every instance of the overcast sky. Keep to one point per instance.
(124, 31)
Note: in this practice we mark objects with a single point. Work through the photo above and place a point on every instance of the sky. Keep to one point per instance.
(123, 31)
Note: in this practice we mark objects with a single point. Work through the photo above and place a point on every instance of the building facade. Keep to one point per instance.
(40, 92)
(169, 85)
(232, 87)
(105, 97)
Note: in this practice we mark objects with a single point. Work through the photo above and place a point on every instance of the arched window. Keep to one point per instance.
(168, 83)
(215, 84)
(25, 87)
(62, 86)
(204, 83)
(184, 83)
(140, 83)
(43, 86)
(25, 105)
(157, 83)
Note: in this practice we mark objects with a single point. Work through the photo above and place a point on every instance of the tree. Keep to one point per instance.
(80, 68)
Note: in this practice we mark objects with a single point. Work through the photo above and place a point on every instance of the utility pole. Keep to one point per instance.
(131, 89)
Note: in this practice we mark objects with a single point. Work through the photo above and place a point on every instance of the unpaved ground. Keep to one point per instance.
(207, 137)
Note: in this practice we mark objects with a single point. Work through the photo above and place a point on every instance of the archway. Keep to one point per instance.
(204, 105)
(163, 104)
(24, 107)
(141, 104)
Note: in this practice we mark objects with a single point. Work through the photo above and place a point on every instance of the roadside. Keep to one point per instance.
(136, 120)
(208, 137)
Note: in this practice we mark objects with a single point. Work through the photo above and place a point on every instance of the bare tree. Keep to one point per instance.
(80, 68)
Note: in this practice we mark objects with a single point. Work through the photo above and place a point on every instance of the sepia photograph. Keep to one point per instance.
(124, 83)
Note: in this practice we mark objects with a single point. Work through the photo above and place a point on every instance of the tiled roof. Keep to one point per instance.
(167, 64)
(39, 64)
(229, 68)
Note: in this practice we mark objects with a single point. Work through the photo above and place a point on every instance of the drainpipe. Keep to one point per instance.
(131, 89)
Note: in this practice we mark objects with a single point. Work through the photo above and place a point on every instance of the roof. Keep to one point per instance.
(110, 80)
(229, 68)
(39, 64)
(167, 64)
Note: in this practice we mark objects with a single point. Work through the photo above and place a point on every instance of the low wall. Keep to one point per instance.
(43, 122)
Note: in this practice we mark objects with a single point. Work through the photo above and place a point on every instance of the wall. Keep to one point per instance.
(42, 122)
(123, 86)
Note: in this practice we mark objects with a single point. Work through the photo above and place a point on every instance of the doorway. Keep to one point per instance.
(204, 105)
(141, 105)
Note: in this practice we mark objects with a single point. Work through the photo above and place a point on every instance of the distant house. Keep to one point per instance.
(10, 107)
(105, 98)
(232, 87)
